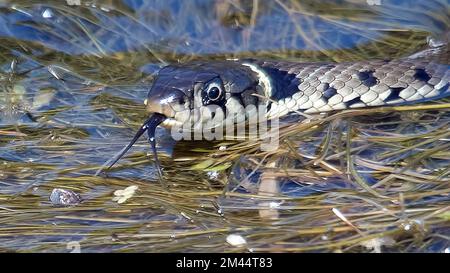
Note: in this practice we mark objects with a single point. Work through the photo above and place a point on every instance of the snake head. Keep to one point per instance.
(195, 92)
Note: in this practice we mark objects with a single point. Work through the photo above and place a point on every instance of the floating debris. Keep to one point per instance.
(122, 196)
(13, 102)
(47, 14)
(73, 2)
(275, 205)
(236, 240)
(43, 98)
(213, 175)
(61, 197)
(376, 243)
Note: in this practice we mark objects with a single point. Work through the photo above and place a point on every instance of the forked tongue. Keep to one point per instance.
(152, 123)
(149, 125)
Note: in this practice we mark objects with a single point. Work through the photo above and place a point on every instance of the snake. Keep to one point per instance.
(185, 93)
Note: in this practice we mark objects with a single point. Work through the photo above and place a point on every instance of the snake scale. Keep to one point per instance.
(316, 87)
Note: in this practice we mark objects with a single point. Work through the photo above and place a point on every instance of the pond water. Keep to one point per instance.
(73, 78)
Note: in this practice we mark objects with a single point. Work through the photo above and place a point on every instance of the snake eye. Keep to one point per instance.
(214, 93)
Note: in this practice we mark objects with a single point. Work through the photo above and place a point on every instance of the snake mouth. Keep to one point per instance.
(171, 122)
(164, 109)
(149, 126)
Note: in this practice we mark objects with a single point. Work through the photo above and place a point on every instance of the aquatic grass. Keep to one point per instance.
(385, 169)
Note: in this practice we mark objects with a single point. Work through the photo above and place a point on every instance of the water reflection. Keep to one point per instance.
(74, 98)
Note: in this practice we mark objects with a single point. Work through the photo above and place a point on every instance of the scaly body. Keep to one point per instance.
(184, 93)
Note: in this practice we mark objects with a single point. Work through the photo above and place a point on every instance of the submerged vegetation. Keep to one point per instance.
(73, 77)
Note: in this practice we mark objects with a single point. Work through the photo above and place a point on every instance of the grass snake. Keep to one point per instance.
(192, 93)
